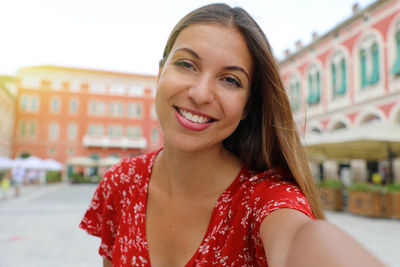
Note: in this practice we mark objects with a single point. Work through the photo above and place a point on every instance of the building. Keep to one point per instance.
(8, 93)
(64, 112)
(347, 78)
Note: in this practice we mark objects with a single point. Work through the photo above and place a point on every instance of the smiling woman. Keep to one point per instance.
(231, 186)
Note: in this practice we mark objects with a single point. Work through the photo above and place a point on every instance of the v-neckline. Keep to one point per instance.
(210, 223)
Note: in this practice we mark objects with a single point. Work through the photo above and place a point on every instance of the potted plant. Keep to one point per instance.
(366, 199)
(392, 201)
(331, 194)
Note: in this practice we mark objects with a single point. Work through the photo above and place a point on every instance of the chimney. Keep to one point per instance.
(314, 36)
(356, 8)
(287, 52)
(299, 45)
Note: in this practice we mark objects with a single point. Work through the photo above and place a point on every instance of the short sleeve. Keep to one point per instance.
(275, 193)
(101, 218)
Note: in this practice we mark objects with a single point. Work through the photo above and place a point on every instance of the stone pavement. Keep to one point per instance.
(40, 228)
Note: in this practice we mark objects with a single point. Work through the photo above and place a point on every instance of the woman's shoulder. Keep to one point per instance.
(273, 184)
(272, 177)
(274, 189)
(131, 170)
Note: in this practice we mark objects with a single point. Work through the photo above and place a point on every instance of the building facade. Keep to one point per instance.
(8, 91)
(348, 77)
(68, 112)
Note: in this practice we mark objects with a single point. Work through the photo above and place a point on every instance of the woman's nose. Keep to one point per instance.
(202, 91)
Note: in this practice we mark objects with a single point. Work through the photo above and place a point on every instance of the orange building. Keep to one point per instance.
(8, 92)
(64, 112)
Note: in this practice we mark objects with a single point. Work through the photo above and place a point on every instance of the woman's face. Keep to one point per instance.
(203, 87)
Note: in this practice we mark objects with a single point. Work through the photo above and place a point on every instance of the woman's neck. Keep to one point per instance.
(195, 173)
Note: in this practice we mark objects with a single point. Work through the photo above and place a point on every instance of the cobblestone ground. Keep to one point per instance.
(40, 229)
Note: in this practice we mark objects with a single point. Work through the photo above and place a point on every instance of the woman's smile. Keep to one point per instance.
(193, 120)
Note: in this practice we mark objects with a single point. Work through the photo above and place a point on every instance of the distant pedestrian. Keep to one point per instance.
(18, 177)
(5, 185)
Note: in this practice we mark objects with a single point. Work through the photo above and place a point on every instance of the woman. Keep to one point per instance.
(231, 186)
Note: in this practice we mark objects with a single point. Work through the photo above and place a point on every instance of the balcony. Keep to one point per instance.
(114, 142)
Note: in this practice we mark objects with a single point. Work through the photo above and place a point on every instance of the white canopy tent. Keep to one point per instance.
(53, 165)
(371, 142)
(6, 163)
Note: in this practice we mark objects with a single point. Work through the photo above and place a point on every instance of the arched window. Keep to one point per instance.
(294, 92)
(369, 62)
(339, 75)
(396, 66)
(314, 86)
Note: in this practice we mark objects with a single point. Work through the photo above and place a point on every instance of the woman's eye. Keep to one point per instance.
(186, 64)
(233, 81)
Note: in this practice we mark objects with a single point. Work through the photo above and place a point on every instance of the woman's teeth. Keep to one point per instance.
(193, 118)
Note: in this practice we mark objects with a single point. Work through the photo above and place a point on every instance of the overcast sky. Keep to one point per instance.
(129, 35)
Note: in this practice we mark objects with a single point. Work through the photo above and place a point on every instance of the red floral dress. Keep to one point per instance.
(118, 209)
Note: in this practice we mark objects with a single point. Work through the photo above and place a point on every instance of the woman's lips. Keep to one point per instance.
(193, 121)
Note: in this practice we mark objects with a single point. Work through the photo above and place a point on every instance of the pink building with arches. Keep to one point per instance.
(347, 78)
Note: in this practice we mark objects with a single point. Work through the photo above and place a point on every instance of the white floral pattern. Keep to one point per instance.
(118, 209)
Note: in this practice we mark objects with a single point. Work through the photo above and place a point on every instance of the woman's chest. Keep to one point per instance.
(179, 235)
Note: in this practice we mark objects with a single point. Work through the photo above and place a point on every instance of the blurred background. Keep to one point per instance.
(77, 85)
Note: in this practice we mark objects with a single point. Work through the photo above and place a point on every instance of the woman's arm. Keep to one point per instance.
(106, 263)
(290, 238)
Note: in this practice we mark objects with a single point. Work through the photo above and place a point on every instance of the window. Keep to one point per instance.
(100, 108)
(111, 131)
(396, 66)
(52, 151)
(96, 130)
(53, 131)
(22, 129)
(73, 106)
(29, 103)
(314, 86)
(339, 75)
(135, 110)
(369, 62)
(134, 131)
(55, 105)
(154, 135)
(32, 82)
(96, 108)
(136, 90)
(71, 151)
(27, 129)
(23, 105)
(72, 131)
(294, 92)
(116, 109)
(118, 131)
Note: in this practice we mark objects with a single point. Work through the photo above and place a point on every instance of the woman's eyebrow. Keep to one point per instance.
(190, 51)
(239, 69)
(193, 53)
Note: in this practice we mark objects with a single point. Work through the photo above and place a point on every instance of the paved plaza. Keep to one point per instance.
(40, 229)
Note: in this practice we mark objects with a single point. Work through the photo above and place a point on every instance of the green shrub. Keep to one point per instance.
(393, 187)
(330, 183)
(364, 187)
(53, 176)
(79, 178)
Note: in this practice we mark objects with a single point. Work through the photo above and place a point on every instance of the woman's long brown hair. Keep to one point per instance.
(267, 137)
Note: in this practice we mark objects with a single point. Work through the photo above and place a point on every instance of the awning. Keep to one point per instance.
(81, 161)
(373, 141)
(108, 161)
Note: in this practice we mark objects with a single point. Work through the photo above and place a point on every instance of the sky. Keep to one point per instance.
(129, 35)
